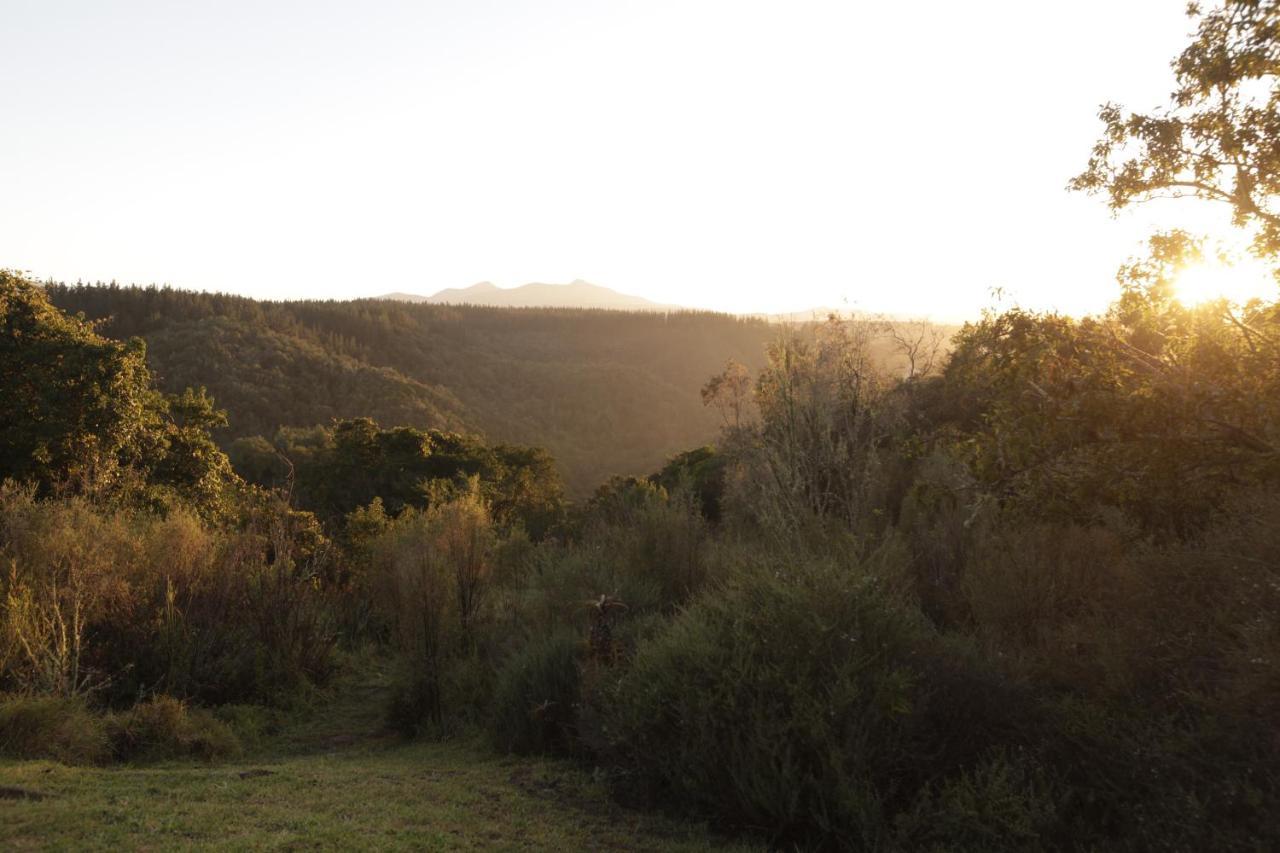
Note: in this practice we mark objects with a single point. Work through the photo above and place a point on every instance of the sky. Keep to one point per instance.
(725, 154)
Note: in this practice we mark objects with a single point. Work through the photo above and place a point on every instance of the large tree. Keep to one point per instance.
(79, 412)
(1219, 138)
(1158, 409)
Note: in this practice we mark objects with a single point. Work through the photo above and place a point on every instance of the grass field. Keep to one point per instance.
(331, 780)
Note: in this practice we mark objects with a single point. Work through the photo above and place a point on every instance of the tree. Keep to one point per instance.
(344, 467)
(729, 391)
(824, 421)
(74, 406)
(79, 411)
(919, 343)
(1219, 139)
(1156, 409)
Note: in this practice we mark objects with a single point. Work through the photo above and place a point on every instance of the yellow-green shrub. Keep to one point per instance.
(123, 602)
(164, 728)
(53, 727)
(429, 580)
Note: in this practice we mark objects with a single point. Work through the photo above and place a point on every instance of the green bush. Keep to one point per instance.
(415, 702)
(809, 699)
(52, 727)
(165, 728)
(1004, 803)
(1153, 669)
(643, 537)
(252, 725)
(536, 691)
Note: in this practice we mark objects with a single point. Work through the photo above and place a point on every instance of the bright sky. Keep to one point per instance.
(742, 156)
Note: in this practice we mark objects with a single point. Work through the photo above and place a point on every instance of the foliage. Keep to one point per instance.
(165, 728)
(79, 411)
(824, 422)
(55, 727)
(1217, 140)
(1155, 409)
(803, 698)
(654, 543)
(535, 696)
(702, 473)
(429, 581)
(335, 471)
(119, 603)
(76, 406)
(1003, 803)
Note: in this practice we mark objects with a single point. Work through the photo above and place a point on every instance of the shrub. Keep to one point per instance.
(125, 602)
(63, 576)
(1003, 803)
(429, 580)
(666, 543)
(1154, 670)
(163, 728)
(535, 696)
(57, 728)
(806, 698)
(1036, 591)
(252, 725)
(414, 704)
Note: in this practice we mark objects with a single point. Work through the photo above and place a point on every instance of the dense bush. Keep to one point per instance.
(429, 579)
(166, 728)
(59, 728)
(653, 541)
(122, 603)
(535, 696)
(336, 471)
(808, 699)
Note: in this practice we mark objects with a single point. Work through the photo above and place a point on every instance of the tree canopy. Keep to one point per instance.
(336, 470)
(1219, 138)
(80, 412)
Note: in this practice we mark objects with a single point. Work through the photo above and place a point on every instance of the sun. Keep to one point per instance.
(1238, 282)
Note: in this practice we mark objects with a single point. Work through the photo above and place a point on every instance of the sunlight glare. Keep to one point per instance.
(1211, 280)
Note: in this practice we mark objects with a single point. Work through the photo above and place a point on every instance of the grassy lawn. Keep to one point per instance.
(419, 796)
(330, 780)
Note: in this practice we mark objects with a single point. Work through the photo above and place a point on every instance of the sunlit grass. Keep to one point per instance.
(406, 797)
(332, 778)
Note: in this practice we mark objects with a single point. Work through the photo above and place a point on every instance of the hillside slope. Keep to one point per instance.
(606, 391)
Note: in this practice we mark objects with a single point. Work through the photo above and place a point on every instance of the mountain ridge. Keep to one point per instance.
(575, 294)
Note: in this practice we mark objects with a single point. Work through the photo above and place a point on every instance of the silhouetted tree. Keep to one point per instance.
(1219, 139)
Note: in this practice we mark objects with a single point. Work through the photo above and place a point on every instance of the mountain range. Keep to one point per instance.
(575, 294)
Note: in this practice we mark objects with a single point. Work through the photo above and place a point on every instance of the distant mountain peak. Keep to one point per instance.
(576, 294)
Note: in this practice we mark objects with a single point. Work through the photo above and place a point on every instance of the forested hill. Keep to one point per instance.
(606, 391)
